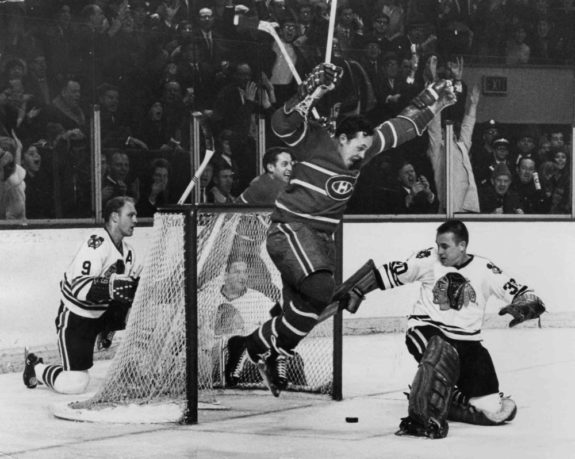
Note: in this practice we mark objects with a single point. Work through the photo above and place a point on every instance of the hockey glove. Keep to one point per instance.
(122, 288)
(422, 108)
(524, 307)
(104, 340)
(322, 79)
(441, 90)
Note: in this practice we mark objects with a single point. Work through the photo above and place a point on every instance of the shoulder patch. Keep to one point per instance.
(493, 268)
(424, 253)
(95, 241)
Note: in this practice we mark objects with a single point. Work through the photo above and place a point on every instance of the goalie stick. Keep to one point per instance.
(268, 27)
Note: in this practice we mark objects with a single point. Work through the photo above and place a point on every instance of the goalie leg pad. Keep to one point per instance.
(351, 293)
(432, 387)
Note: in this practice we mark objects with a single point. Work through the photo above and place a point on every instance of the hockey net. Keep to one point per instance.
(149, 367)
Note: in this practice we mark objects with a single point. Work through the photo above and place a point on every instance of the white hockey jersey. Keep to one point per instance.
(97, 257)
(433, 307)
(253, 307)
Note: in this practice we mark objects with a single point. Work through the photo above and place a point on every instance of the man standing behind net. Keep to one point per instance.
(265, 188)
(97, 291)
(300, 239)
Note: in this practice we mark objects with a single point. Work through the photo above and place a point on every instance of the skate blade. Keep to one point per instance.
(267, 380)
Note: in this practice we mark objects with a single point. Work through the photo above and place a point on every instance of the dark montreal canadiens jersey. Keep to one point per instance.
(321, 185)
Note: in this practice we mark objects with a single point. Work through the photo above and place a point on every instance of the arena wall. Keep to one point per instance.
(539, 254)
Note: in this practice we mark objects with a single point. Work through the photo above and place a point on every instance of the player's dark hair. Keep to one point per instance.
(351, 125)
(114, 205)
(457, 227)
(271, 155)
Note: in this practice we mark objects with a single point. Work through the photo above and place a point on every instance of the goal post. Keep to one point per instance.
(173, 350)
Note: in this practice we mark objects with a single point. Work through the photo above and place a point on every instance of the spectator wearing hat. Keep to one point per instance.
(497, 196)
(485, 165)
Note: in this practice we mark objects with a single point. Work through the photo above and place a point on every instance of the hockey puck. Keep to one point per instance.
(351, 420)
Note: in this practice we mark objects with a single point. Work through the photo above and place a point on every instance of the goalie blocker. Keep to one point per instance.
(351, 293)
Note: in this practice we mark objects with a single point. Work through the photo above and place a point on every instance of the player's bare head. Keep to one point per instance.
(236, 275)
(457, 227)
(278, 162)
(120, 215)
(354, 136)
(452, 240)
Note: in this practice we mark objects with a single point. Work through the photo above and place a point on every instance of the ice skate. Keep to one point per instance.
(433, 429)
(273, 369)
(236, 356)
(29, 374)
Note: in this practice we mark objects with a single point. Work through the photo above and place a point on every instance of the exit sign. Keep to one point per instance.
(494, 85)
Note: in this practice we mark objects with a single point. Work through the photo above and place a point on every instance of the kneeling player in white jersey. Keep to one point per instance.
(97, 292)
(456, 379)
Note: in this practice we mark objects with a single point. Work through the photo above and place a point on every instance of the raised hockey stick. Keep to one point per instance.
(196, 177)
(269, 28)
(330, 30)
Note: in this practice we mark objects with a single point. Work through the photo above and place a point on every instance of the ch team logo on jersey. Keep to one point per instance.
(95, 241)
(423, 253)
(494, 268)
(453, 291)
(339, 187)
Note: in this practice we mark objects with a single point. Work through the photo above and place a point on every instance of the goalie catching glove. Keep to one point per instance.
(524, 307)
(322, 79)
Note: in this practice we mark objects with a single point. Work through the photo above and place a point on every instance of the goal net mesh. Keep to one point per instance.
(150, 363)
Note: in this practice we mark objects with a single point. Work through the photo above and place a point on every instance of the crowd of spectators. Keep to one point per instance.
(149, 65)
